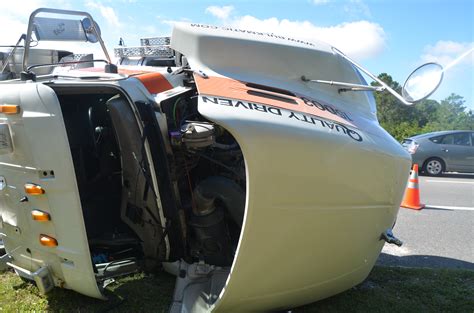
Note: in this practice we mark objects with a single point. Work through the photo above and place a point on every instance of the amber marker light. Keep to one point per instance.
(9, 108)
(34, 190)
(48, 241)
(40, 216)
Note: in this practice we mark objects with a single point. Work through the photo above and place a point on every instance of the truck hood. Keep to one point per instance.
(319, 168)
(271, 60)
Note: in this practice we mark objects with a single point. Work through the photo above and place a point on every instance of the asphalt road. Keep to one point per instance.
(441, 234)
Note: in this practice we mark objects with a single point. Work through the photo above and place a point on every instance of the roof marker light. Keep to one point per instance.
(40, 216)
(9, 108)
(48, 241)
(34, 190)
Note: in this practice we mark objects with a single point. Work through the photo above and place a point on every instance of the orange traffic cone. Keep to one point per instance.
(412, 194)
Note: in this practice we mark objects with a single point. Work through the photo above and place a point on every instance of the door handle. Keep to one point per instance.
(445, 150)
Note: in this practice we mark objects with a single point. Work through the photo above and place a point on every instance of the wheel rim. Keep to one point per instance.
(434, 167)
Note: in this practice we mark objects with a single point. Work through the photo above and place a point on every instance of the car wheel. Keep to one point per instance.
(434, 167)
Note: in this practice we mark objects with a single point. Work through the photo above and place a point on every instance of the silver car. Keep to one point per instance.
(443, 151)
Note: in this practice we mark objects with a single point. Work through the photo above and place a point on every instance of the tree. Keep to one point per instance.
(398, 119)
(403, 121)
(451, 114)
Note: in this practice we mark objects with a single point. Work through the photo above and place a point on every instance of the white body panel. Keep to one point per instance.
(317, 203)
(41, 144)
(259, 58)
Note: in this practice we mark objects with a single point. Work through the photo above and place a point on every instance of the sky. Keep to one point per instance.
(392, 36)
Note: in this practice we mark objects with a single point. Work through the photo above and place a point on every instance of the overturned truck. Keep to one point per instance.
(252, 166)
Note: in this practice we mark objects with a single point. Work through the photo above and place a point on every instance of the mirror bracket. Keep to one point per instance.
(378, 80)
(27, 75)
(111, 68)
(92, 29)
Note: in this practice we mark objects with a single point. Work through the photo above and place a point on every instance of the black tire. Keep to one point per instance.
(434, 167)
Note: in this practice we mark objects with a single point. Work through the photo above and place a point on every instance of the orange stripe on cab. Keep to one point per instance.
(154, 82)
(280, 98)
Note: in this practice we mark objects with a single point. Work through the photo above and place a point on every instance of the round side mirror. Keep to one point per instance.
(91, 35)
(422, 82)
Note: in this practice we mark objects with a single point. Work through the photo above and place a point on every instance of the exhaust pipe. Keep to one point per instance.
(223, 189)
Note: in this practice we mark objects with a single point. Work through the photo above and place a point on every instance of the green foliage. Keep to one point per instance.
(402, 130)
(135, 293)
(403, 121)
(387, 289)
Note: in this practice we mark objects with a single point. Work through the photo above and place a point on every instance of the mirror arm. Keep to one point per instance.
(360, 89)
(384, 85)
(11, 53)
(29, 68)
(347, 86)
(29, 31)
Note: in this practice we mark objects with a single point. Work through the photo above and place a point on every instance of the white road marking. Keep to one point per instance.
(395, 250)
(458, 208)
(449, 181)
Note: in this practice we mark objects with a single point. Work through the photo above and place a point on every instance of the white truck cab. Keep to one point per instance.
(250, 165)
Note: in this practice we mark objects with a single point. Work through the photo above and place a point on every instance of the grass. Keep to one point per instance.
(136, 293)
(387, 289)
(396, 289)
